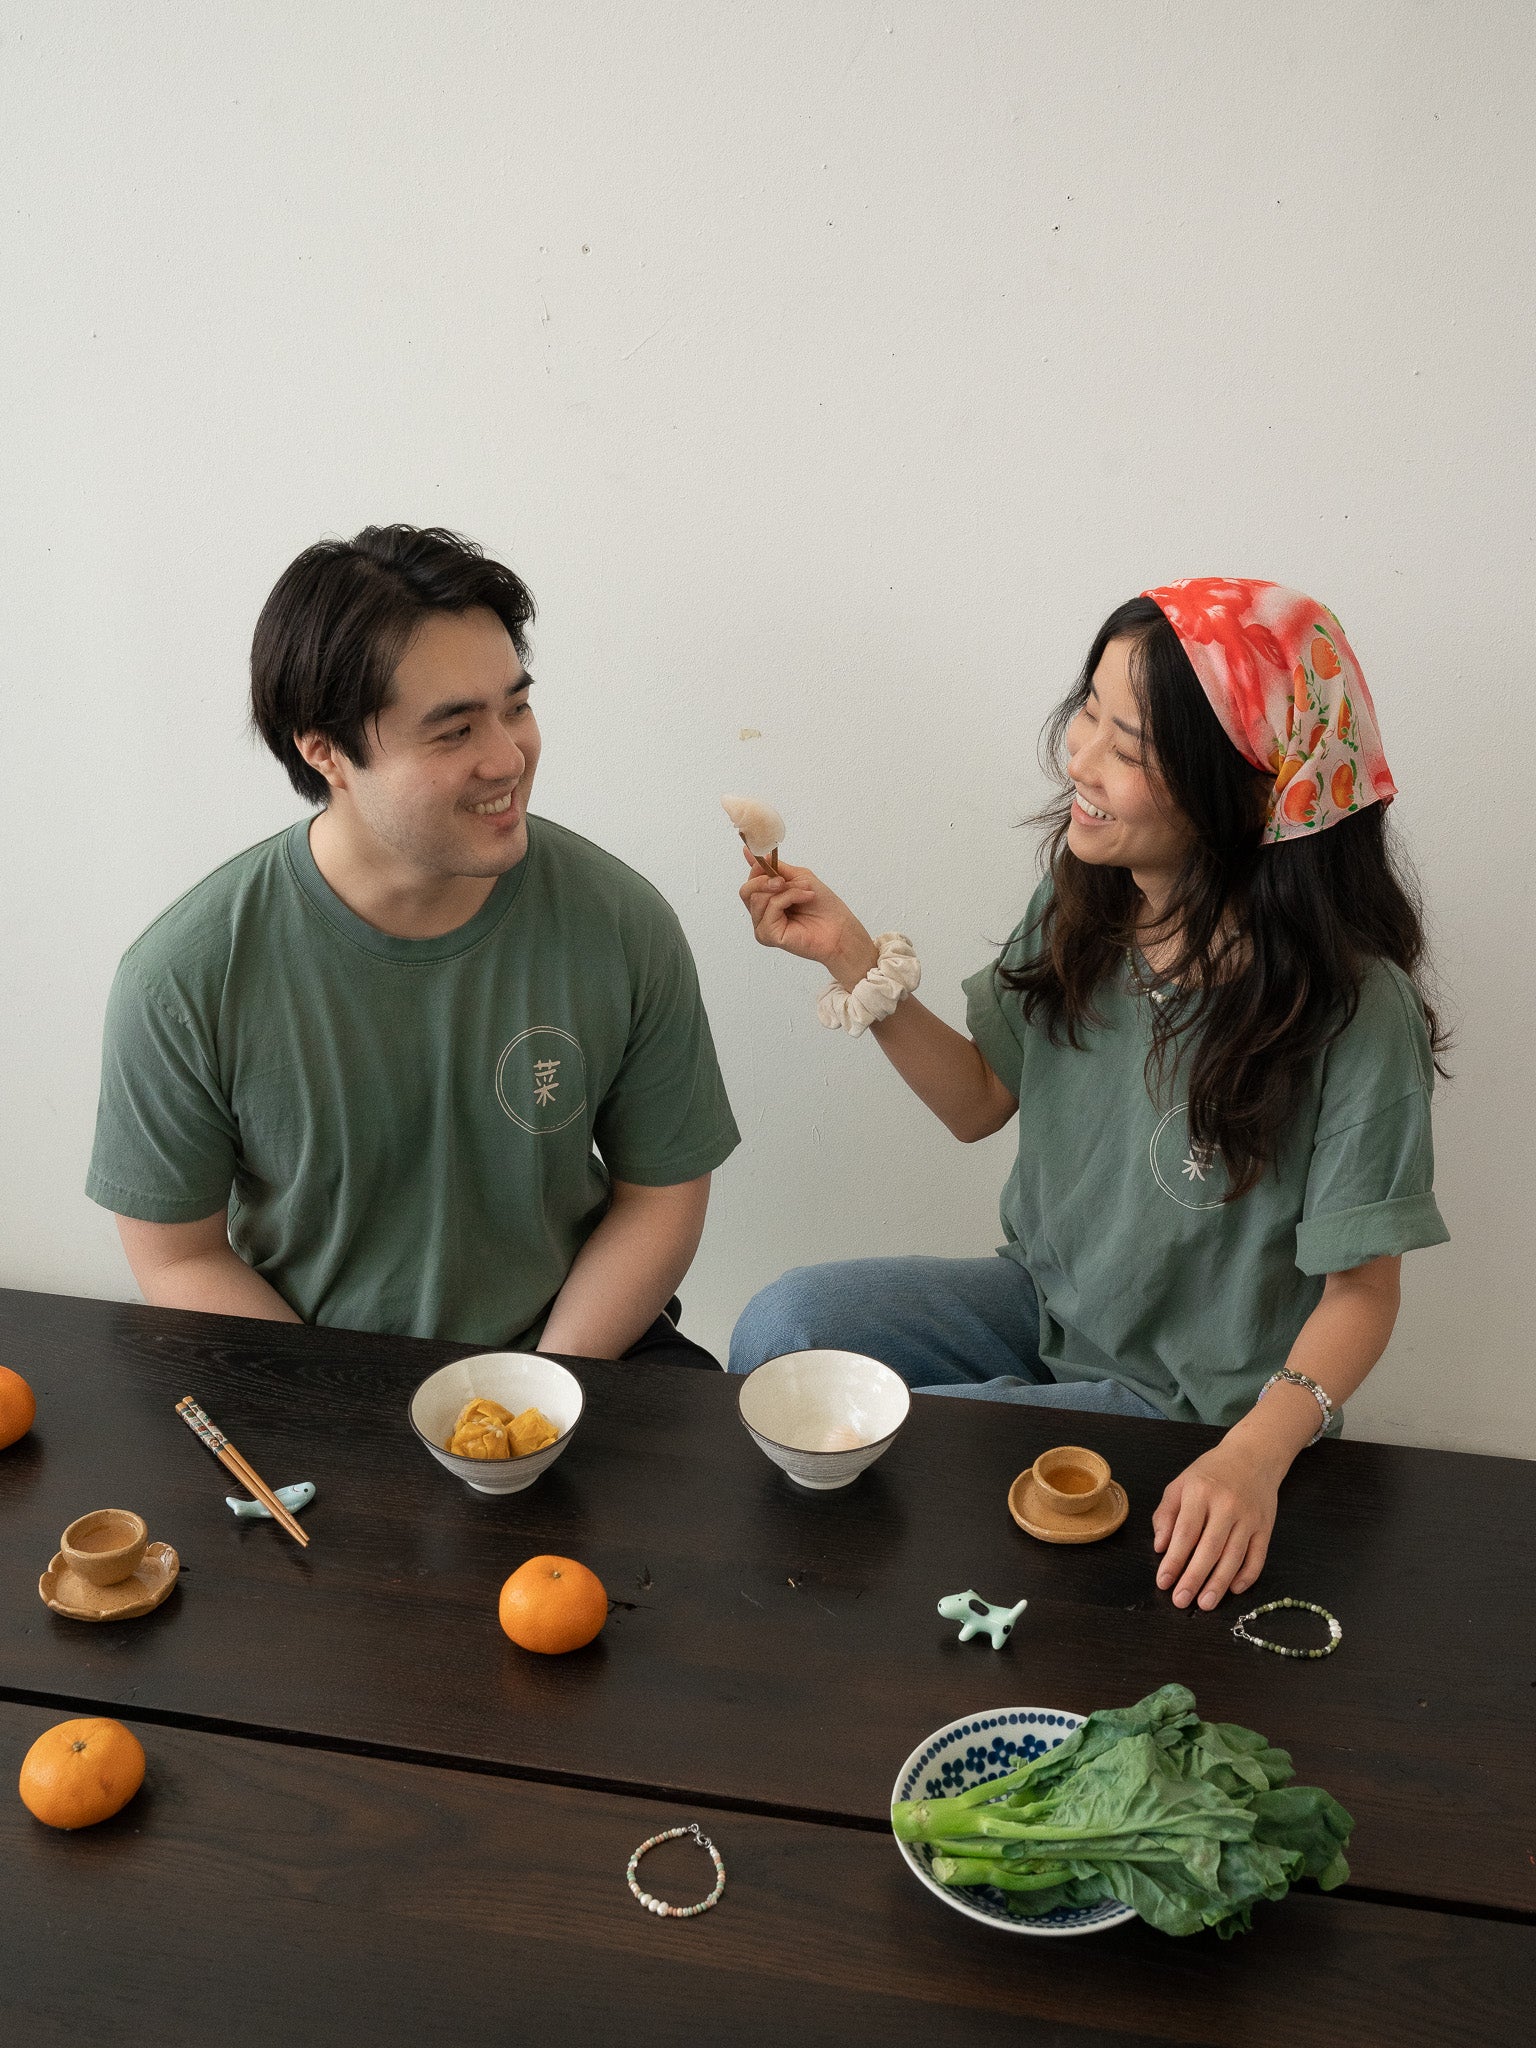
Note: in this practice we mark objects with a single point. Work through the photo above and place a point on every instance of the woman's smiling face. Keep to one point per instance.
(1122, 816)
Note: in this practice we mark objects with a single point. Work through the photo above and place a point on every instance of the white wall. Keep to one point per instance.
(829, 369)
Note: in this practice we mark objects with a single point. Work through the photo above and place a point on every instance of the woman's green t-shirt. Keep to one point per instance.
(1145, 1273)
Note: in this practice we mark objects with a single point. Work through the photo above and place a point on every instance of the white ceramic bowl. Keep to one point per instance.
(518, 1380)
(972, 1751)
(823, 1415)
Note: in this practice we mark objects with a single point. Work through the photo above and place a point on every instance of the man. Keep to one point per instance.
(422, 1063)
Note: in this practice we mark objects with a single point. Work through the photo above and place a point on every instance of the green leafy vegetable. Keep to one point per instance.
(1188, 1822)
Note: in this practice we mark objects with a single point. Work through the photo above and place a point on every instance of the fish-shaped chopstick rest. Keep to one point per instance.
(292, 1497)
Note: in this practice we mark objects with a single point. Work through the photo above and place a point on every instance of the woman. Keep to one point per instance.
(1211, 1018)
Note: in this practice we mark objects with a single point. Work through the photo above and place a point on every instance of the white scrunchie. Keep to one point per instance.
(894, 975)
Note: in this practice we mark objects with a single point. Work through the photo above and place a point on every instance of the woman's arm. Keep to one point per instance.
(628, 1269)
(194, 1265)
(1213, 1524)
(946, 1071)
(799, 914)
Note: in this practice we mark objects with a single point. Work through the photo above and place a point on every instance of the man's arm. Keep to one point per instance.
(194, 1265)
(628, 1269)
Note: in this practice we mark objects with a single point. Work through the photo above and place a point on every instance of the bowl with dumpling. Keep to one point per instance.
(499, 1419)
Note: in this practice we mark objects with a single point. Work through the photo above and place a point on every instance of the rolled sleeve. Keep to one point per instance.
(1370, 1191)
(1381, 1230)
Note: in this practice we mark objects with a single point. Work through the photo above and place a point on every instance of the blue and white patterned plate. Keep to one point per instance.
(973, 1751)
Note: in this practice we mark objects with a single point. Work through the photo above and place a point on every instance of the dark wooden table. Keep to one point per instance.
(265, 1893)
(771, 1659)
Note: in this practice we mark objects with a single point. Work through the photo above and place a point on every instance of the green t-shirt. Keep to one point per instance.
(413, 1136)
(1144, 1273)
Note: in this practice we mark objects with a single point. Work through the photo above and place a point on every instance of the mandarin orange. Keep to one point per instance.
(18, 1406)
(552, 1605)
(80, 1772)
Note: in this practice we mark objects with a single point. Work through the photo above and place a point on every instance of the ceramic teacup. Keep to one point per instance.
(105, 1546)
(1071, 1480)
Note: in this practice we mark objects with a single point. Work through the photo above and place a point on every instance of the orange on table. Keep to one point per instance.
(80, 1772)
(552, 1604)
(18, 1406)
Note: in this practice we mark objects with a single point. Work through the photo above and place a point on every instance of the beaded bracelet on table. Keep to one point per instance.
(655, 1905)
(1335, 1632)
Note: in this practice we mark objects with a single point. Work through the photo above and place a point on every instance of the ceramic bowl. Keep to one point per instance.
(973, 1751)
(518, 1380)
(105, 1546)
(822, 1416)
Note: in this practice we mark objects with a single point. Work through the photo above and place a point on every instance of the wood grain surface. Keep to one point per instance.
(257, 1892)
(767, 1648)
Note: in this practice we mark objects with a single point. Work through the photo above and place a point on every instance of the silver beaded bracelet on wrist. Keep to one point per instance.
(1319, 1394)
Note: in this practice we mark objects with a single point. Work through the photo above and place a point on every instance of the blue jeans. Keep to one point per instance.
(948, 1326)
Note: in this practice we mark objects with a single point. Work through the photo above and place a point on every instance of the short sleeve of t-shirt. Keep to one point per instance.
(166, 1143)
(1370, 1185)
(996, 1023)
(666, 1117)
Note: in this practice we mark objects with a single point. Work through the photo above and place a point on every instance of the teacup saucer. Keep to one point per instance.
(1029, 1509)
(67, 1593)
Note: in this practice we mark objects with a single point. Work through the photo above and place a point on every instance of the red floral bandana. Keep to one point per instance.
(1285, 684)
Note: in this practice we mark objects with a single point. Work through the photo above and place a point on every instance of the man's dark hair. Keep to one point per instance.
(338, 621)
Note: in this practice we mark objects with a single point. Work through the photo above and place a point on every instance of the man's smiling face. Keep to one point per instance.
(452, 759)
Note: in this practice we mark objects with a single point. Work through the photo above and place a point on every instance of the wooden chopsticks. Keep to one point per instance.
(202, 1426)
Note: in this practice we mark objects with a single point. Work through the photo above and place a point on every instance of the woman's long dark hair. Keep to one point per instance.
(1272, 940)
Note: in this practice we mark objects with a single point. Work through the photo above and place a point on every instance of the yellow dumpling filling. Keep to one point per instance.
(487, 1430)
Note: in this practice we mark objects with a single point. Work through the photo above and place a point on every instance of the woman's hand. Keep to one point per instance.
(1213, 1524)
(799, 914)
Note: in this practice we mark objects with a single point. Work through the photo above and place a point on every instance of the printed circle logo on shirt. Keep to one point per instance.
(541, 1079)
(1192, 1175)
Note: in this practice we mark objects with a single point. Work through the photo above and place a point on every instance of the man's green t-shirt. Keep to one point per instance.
(413, 1136)
(1144, 1273)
